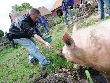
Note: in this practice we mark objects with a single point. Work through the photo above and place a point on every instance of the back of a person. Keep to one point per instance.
(17, 26)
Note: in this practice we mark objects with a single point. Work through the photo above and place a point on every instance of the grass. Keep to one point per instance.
(14, 66)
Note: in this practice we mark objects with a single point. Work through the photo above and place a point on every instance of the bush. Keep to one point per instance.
(1, 33)
(74, 11)
(58, 20)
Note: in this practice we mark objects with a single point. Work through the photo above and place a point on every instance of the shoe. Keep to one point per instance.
(34, 61)
(48, 62)
(67, 25)
(72, 22)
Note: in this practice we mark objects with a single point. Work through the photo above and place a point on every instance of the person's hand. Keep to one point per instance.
(69, 6)
(48, 45)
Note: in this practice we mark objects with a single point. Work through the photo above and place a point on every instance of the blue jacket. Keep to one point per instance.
(42, 20)
(69, 3)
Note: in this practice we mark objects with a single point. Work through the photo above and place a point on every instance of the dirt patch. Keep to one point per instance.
(70, 75)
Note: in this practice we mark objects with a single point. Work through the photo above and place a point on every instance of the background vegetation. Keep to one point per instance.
(23, 6)
(1, 33)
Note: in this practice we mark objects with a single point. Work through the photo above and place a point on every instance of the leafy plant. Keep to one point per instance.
(58, 21)
(74, 11)
(1, 33)
(88, 76)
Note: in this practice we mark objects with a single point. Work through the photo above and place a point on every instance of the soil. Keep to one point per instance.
(70, 75)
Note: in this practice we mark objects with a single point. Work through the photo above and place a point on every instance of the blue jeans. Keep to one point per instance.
(65, 15)
(45, 27)
(30, 44)
(101, 7)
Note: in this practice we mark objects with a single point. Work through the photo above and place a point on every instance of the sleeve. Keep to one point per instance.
(28, 29)
(71, 2)
(63, 6)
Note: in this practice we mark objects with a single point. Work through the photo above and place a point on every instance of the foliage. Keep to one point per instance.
(1, 33)
(57, 21)
(23, 6)
(109, 4)
(74, 11)
(51, 23)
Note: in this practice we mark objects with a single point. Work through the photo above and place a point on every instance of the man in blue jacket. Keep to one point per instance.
(22, 29)
(67, 5)
(43, 22)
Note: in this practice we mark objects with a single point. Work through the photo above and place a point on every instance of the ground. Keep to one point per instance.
(70, 75)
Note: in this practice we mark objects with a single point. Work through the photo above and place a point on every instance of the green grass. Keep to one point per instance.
(88, 76)
(14, 66)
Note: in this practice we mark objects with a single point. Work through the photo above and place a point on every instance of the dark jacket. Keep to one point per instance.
(22, 27)
(38, 31)
(66, 3)
(7, 36)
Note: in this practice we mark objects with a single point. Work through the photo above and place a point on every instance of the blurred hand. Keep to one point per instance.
(69, 6)
(49, 46)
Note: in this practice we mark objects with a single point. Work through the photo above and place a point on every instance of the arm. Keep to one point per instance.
(42, 41)
(63, 6)
(32, 33)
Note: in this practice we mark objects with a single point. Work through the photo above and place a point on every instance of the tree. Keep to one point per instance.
(1, 33)
(23, 6)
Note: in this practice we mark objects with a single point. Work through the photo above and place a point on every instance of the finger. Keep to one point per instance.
(51, 48)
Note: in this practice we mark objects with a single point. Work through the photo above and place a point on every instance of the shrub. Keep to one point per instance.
(1, 33)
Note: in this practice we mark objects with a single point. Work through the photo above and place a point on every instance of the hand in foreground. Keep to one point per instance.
(48, 45)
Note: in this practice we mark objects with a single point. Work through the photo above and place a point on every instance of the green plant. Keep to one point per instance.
(58, 20)
(109, 4)
(88, 76)
(1, 33)
(74, 11)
